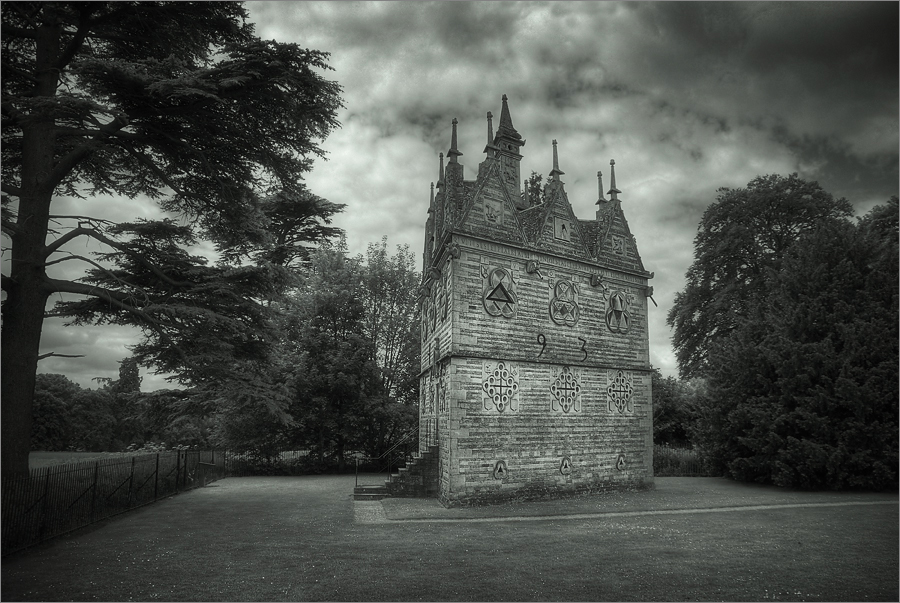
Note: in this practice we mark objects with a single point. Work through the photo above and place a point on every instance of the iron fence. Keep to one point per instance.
(54, 500)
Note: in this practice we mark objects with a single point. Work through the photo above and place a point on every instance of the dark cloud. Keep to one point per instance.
(687, 97)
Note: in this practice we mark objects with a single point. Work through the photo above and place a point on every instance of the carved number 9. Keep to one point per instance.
(543, 341)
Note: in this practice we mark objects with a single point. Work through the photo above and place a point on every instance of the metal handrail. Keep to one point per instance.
(402, 440)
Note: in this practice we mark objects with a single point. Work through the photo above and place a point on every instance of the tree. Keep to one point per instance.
(741, 239)
(673, 414)
(804, 389)
(51, 428)
(178, 102)
(389, 285)
(533, 192)
(337, 378)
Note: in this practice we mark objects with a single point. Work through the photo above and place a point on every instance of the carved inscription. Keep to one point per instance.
(619, 391)
(500, 387)
(565, 391)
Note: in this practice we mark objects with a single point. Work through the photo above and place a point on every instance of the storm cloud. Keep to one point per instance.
(686, 97)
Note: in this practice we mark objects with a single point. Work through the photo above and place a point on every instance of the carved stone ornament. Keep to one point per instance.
(493, 211)
(562, 229)
(564, 309)
(500, 387)
(499, 296)
(448, 293)
(618, 245)
(565, 467)
(565, 391)
(443, 389)
(619, 392)
(500, 470)
(620, 462)
(434, 273)
(618, 318)
(454, 251)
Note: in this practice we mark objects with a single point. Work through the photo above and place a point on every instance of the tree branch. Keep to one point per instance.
(17, 32)
(75, 156)
(106, 271)
(10, 190)
(90, 232)
(55, 355)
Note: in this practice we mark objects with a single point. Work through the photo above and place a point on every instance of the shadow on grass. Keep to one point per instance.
(293, 538)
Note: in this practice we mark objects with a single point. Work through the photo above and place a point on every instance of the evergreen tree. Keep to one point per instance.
(804, 389)
(742, 238)
(181, 103)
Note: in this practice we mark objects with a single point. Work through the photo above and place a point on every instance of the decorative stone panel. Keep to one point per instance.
(620, 391)
(500, 387)
(564, 309)
(499, 295)
(565, 391)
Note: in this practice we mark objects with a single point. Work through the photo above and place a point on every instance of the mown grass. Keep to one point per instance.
(267, 539)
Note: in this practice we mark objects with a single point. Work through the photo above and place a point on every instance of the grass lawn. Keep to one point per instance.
(294, 538)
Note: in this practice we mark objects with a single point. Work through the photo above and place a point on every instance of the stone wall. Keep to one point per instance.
(546, 388)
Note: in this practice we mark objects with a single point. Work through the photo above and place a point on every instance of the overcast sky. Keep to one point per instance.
(686, 97)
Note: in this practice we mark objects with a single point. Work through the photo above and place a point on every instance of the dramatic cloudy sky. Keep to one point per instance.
(686, 97)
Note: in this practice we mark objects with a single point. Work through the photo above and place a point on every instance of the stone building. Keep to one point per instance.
(535, 356)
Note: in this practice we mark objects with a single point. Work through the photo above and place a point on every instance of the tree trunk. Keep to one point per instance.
(26, 289)
(23, 318)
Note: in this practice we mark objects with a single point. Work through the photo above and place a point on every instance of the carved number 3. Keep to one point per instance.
(583, 343)
(543, 341)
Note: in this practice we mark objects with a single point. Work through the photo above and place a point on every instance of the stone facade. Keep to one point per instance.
(535, 357)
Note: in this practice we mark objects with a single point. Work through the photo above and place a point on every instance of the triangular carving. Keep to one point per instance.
(502, 221)
(566, 235)
(616, 245)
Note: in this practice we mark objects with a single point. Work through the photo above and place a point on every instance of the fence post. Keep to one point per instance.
(94, 489)
(177, 468)
(131, 482)
(45, 511)
(156, 480)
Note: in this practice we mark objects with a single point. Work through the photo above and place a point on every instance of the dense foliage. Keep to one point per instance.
(346, 365)
(175, 102)
(742, 239)
(804, 386)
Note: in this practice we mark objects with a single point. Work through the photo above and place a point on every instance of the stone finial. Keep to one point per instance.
(506, 127)
(453, 153)
(431, 203)
(555, 173)
(490, 133)
(601, 199)
(441, 171)
(490, 137)
(613, 192)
